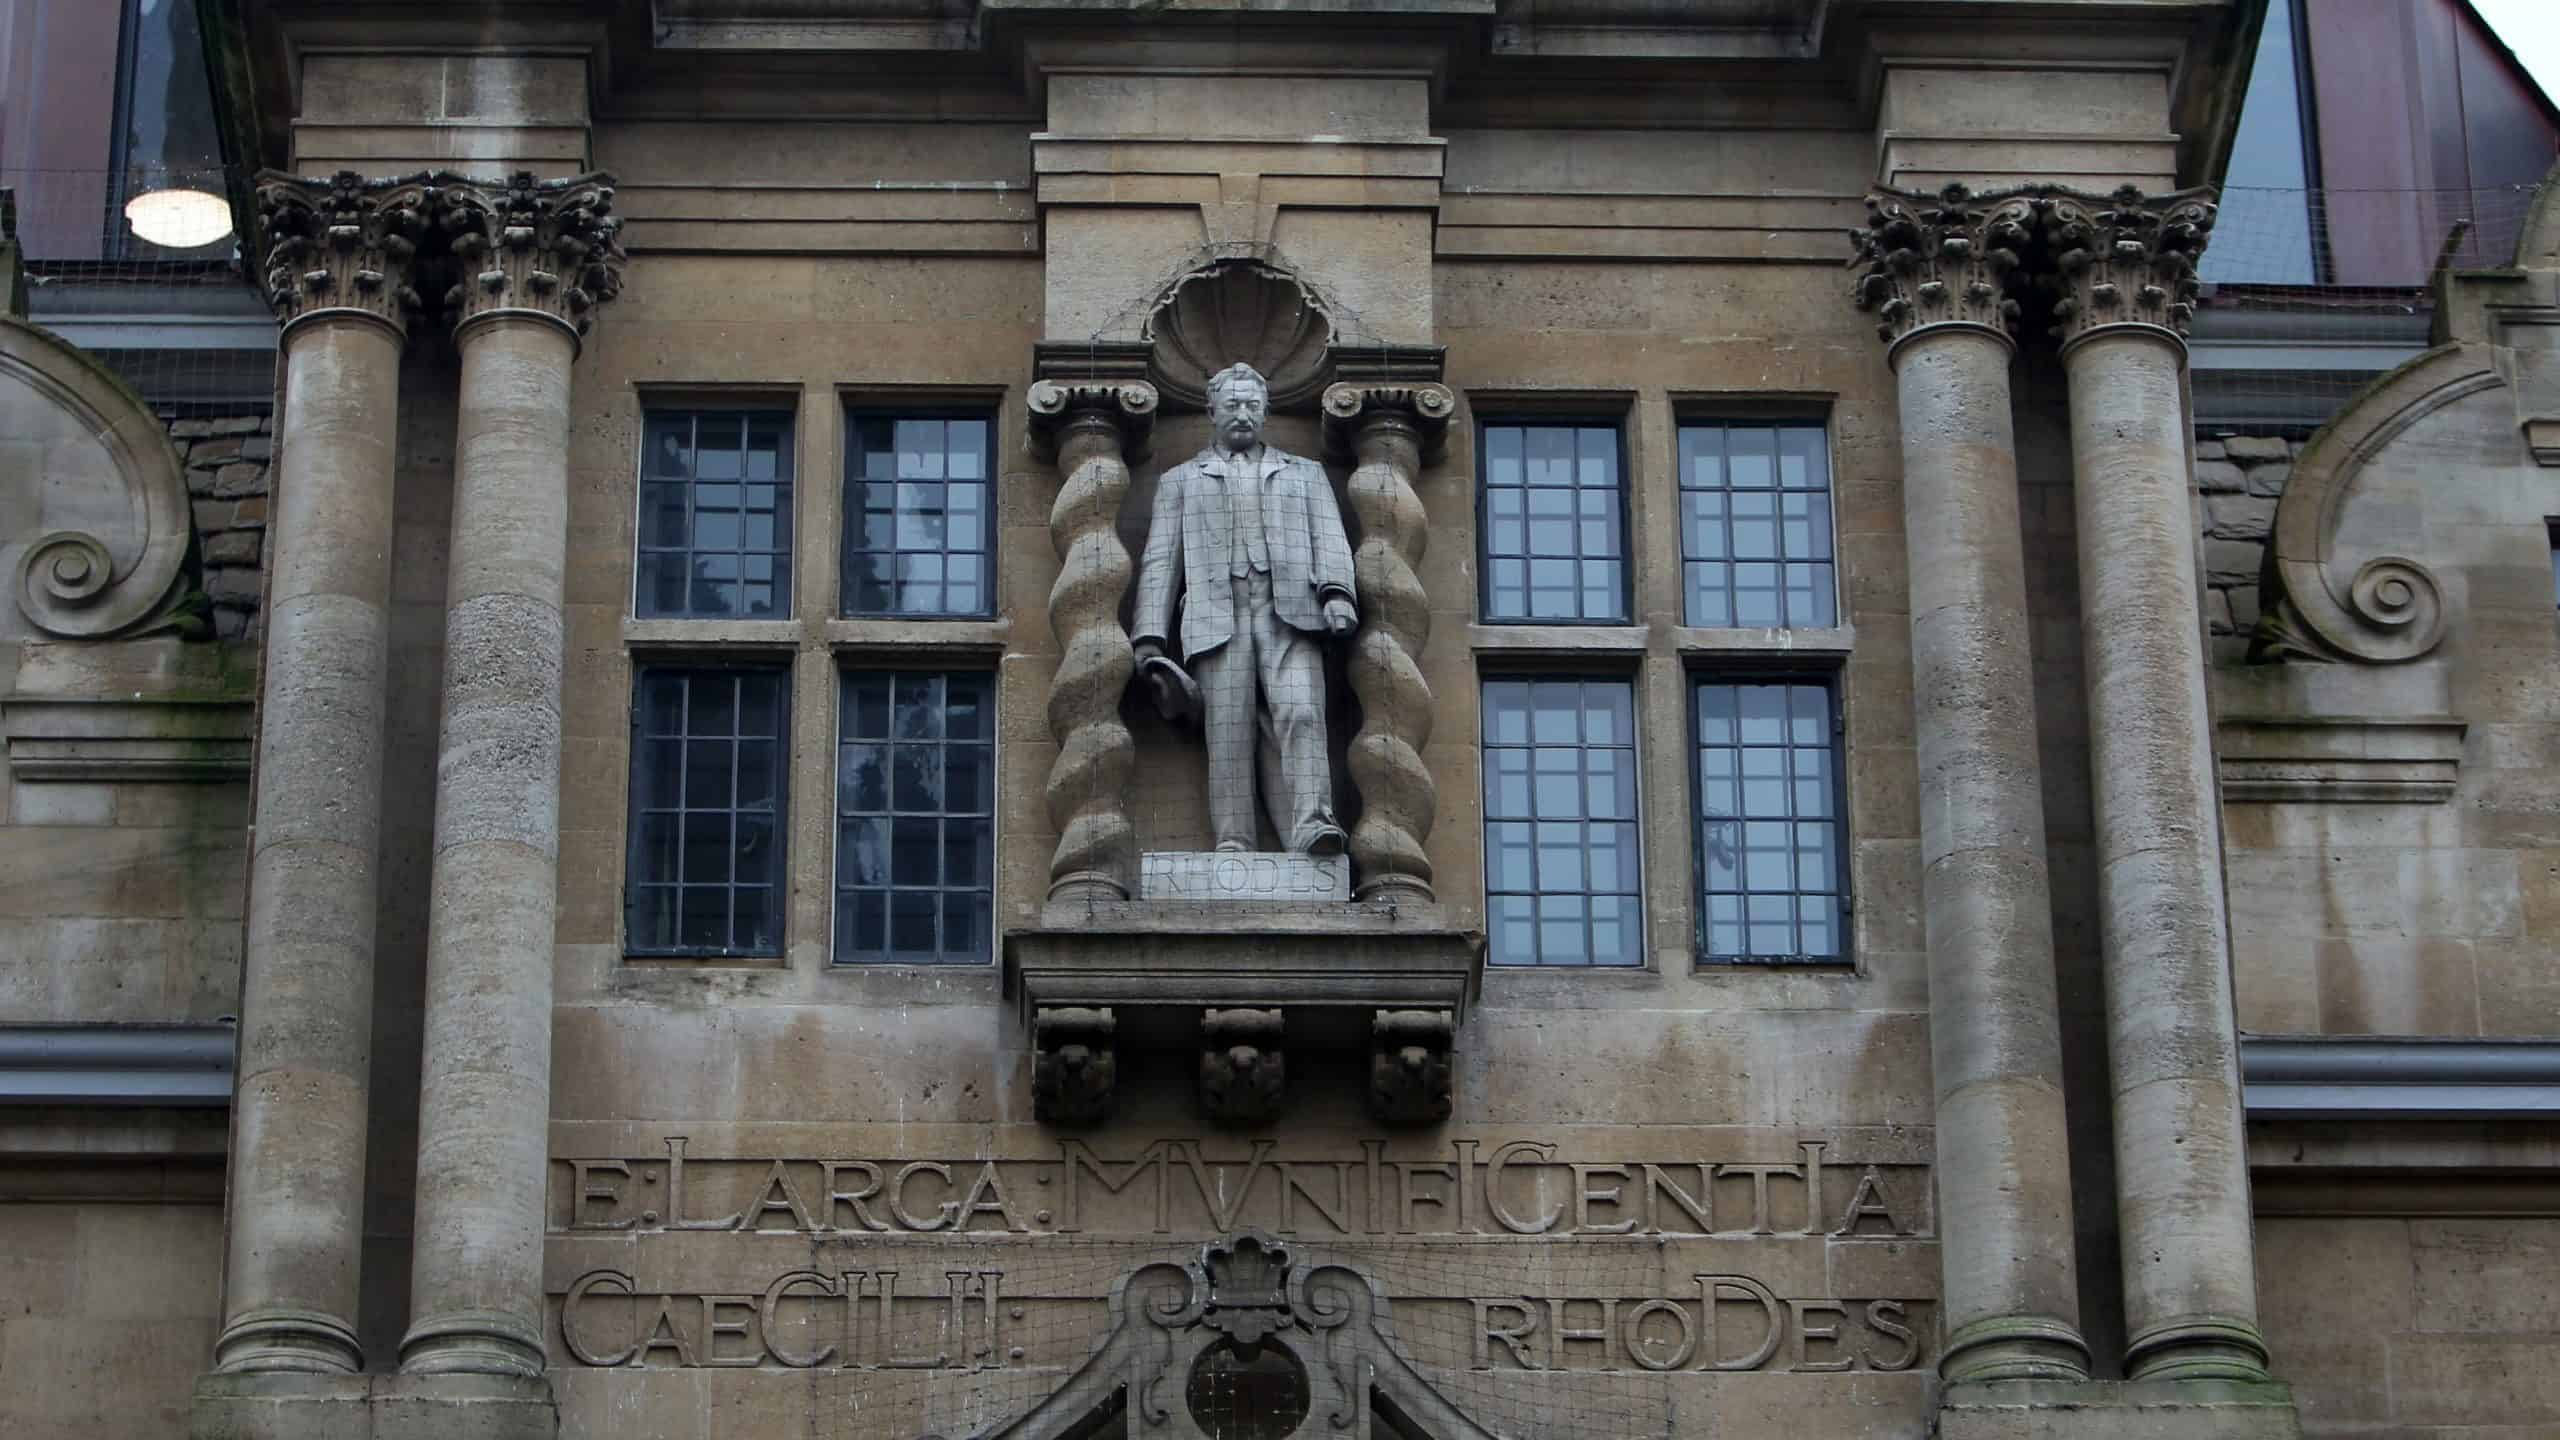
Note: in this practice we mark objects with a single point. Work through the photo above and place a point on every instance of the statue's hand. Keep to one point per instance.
(1339, 617)
(1146, 650)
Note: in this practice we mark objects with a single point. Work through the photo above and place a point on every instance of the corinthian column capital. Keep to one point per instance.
(346, 245)
(547, 248)
(1953, 258)
(2125, 259)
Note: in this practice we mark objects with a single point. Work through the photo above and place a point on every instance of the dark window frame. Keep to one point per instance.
(1634, 889)
(693, 666)
(1616, 424)
(785, 552)
(1778, 423)
(850, 514)
(846, 671)
(1730, 671)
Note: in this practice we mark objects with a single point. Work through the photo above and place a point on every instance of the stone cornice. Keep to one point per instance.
(345, 245)
(548, 248)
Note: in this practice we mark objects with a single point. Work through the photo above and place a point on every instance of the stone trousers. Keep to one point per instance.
(1262, 703)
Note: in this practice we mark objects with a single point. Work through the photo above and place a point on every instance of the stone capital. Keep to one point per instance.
(1128, 407)
(548, 249)
(1422, 408)
(2125, 259)
(346, 245)
(1952, 258)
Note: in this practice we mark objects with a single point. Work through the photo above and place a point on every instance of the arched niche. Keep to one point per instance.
(1239, 308)
(1319, 1332)
(94, 520)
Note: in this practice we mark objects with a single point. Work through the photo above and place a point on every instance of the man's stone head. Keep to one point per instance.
(1239, 401)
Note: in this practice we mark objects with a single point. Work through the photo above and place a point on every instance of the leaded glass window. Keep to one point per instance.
(1554, 525)
(919, 516)
(715, 515)
(1561, 866)
(1755, 526)
(706, 874)
(1770, 856)
(915, 818)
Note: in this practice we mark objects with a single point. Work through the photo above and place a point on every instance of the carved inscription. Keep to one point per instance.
(1242, 875)
(1190, 1186)
(1498, 1254)
(963, 1320)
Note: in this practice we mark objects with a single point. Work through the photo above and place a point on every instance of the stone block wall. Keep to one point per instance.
(2239, 478)
(227, 461)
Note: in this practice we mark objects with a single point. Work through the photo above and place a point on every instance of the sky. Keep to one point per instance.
(2531, 28)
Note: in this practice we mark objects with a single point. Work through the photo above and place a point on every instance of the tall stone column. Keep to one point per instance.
(1090, 428)
(338, 260)
(534, 260)
(1388, 430)
(2182, 1181)
(1939, 272)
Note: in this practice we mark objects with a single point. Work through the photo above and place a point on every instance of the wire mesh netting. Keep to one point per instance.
(2310, 294)
(181, 324)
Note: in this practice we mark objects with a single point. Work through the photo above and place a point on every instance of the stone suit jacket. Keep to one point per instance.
(1186, 561)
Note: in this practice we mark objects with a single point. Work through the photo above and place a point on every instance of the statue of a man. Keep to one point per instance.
(1247, 541)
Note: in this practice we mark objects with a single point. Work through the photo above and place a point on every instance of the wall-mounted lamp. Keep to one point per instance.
(178, 217)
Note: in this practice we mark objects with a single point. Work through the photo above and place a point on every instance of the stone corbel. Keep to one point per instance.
(1074, 1066)
(345, 245)
(1389, 430)
(1243, 1069)
(1411, 1059)
(547, 248)
(1091, 429)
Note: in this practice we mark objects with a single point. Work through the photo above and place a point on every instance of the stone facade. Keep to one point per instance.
(2009, 1150)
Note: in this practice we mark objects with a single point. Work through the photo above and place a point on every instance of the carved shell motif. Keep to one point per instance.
(1239, 310)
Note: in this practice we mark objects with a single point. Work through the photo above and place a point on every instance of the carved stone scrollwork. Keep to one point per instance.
(1952, 258)
(1411, 1079)
(1243, 1070)
(1389, 431)
(1091, 430)
(2129, 259)
(524, 246)
(1074, 1067)
(344, 245)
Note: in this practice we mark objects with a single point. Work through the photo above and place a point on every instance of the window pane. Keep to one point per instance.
(1554, 526)
(915, 825)
(1772, 873)
(1759, 495)
(706, 812)
(1562, 870)
(711, 547)
(917, 517)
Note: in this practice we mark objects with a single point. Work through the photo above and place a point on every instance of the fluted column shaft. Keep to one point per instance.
(1090, 429)
(2003, 1163)
(2181, 1164)
(337, 260)
(537, 256)
(1387, 430)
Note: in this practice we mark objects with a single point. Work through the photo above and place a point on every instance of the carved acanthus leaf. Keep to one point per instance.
(552, 247)
(346, 243)
(1953, 257)
(2127, 259)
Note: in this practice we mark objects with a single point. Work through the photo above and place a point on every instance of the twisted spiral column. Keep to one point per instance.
(1090, 429)
(1387, 430)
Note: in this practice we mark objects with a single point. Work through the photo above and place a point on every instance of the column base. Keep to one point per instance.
(2117, 1410)
(278, 1406)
